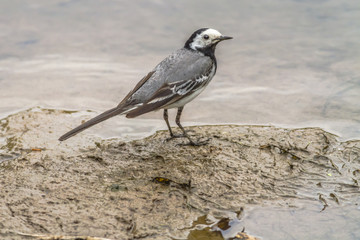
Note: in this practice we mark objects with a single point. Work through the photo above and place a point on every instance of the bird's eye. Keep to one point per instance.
(206, 37)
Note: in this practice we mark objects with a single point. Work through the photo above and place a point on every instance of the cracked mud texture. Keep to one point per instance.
(155, 189)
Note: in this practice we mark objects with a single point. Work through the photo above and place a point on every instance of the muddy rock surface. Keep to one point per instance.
(152, 188)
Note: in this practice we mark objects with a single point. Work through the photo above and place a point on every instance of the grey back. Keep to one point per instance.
(183, 64)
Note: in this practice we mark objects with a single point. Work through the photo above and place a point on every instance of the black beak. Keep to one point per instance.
(221, 38)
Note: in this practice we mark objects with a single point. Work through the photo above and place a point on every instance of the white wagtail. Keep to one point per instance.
(174, 82)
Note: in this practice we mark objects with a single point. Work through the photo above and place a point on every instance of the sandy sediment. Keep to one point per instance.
(155, 189)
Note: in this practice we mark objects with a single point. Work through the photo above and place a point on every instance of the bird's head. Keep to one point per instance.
(205, 38)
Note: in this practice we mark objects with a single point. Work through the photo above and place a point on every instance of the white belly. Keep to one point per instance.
(186, 99)
(190, 97)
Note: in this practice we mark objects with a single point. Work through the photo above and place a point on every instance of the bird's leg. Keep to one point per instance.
(191, 142)
(166, 118)
(172, 135)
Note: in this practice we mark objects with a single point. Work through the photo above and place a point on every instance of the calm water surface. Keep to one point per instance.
(291, 63)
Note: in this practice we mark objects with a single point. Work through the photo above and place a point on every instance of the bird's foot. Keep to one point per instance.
(173, 136)
(184, 135)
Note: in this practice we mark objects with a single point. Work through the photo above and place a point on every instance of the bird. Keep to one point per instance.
(174, 82)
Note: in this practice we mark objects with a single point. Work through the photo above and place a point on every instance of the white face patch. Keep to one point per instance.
(201, 41)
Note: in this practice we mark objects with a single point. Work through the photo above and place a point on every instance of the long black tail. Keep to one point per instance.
(102, 117)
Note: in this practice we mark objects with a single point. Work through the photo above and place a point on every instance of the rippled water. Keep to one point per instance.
(291, 63)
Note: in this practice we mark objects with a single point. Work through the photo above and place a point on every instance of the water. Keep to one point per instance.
(291, 63)
(308, 222)
(304, 222)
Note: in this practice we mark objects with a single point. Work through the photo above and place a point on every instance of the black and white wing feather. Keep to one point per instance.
(175, 94)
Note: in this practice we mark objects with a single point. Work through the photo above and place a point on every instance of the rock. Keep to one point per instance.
(153, 189)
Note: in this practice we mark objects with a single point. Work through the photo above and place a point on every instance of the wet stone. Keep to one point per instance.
(161, 189)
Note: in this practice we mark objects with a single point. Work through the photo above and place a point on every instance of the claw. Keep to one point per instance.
(172, 136)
